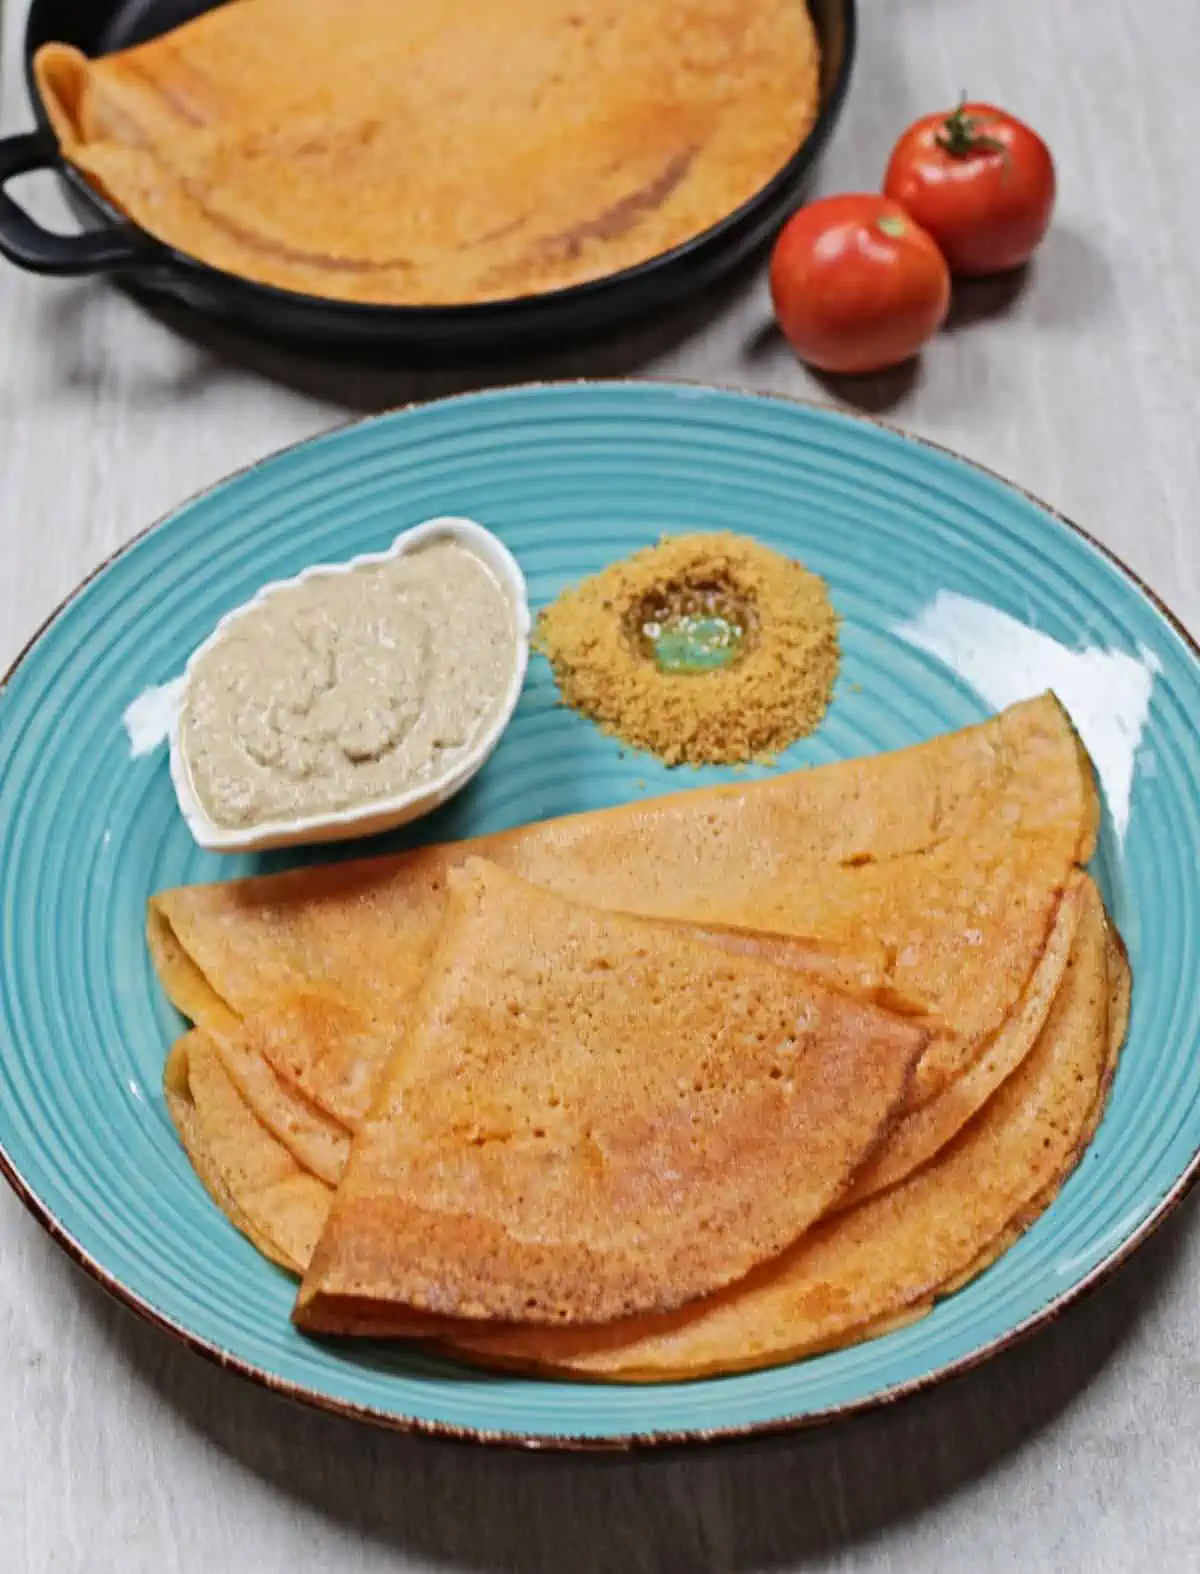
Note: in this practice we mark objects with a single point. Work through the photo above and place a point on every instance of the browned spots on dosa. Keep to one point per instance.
(623, 215)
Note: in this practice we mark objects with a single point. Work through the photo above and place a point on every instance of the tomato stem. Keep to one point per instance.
(960, 135)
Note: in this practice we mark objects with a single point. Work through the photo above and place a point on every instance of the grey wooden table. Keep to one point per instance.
(1078, 1451)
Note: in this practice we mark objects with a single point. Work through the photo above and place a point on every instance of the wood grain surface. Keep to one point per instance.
(1078, 1451)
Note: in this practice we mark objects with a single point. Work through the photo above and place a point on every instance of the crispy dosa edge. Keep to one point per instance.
(251, 1177)
(920, 1135)
(61, 73)
(182, 1109)
(317, 1140)
(1083, 1024)
(777, 1148)
(1119, 995)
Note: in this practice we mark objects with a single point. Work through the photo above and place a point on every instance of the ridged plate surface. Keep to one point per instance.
(957, 593)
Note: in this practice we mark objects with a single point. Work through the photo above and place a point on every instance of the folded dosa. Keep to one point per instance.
(253, 1179)
(441, 152)
(593, 1114)
(923, 1132)
(322, 1144)
(911, 1141)
(319, 1142)
(952, 857)
(263, 1225)
(860, 1269)
(261, 1126)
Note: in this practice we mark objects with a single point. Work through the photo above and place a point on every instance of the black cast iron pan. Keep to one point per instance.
(113, 245)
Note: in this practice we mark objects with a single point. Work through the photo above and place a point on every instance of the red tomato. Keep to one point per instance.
(979, 181)
(857, 286)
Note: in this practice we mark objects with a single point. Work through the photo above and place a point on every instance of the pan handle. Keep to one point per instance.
(25, 242)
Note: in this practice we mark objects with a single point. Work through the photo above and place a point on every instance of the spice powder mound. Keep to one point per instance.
(704, 649)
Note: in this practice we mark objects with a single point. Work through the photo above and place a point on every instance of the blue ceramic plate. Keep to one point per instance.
(957, 593)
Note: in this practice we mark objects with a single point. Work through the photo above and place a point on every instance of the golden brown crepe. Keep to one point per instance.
(952, 859)
(322, 1144)
(593, 1115)
(317, 1140)
(924, 1132)
(331, 994)
(441, 152)
(252, 1178)
(263, 1225)
(894, 1254)
(286, 1135)
(910, 1142)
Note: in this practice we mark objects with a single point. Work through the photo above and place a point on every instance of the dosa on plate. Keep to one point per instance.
(593, 1114)
(292, 1140)
(1006, 1137)
(894, 1254)
(954, 861)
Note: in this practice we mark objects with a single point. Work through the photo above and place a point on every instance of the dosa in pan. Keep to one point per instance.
(593, 1114)
(954, 859)
(445, 152)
